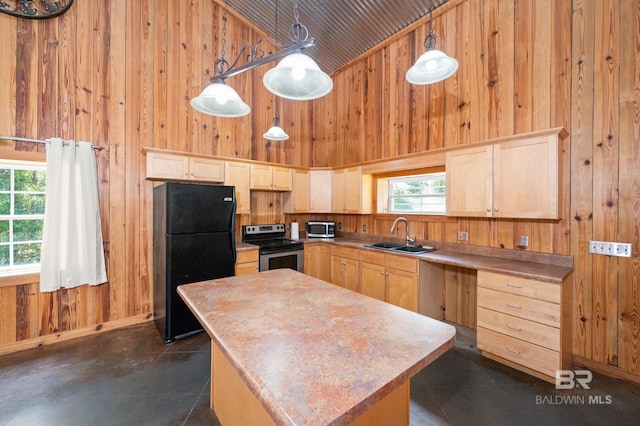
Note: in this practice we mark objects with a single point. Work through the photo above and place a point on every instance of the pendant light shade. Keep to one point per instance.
(297, 77)
(431, 67)
(220, 100)
(276, 133)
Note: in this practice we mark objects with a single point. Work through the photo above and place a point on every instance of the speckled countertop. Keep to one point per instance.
(537, 266)
(312, 352)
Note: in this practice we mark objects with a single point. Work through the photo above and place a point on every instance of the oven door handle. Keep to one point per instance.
(266, 251)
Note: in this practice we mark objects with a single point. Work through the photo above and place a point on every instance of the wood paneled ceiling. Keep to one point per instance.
(344, 29)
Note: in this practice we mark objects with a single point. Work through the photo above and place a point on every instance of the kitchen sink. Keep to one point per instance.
(401, 248)
(415, 249)
(385, 246)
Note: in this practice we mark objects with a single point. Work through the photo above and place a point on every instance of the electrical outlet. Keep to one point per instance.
(339, 226)
(463, 236)
(610, 248)
(524, 241)
(364, 228)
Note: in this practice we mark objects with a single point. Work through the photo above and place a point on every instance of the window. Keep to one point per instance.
(22, 186)
(417, 194)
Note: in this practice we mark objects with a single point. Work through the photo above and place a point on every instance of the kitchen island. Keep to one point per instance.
(288, 348)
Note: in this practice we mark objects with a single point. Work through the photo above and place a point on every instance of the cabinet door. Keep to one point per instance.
(469, 182)
(320, 183)
(167, 166)
(206, 170)
(238, 174)
(373, 280)
(526, 180)
(339, 191)
(299, 197)
(281, 179)
(402, 289)
(351, 274)
(261, 177)
(317, 262)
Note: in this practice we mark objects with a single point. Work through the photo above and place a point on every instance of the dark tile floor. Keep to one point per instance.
(130, 377)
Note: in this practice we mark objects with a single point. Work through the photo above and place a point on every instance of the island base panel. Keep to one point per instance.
(235, 404)
(231, 399)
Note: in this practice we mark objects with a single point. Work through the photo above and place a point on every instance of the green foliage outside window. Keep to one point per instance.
(22, 197)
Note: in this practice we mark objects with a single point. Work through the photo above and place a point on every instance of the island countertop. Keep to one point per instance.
(312, 352)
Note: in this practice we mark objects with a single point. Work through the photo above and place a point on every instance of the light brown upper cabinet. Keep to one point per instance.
(297, 201)
(238, 174)
(352, 191)
(271, 178)
(179, 167)
(320, 185)
(518, 178)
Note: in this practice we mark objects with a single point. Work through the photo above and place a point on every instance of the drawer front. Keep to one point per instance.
(521, 286)
(348, 252)
(401, 262)
(520, 306)
(371, 256)
(529, 355)
(539, 334)
(243, 256)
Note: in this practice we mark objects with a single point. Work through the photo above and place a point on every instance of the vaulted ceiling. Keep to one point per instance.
(343, 29)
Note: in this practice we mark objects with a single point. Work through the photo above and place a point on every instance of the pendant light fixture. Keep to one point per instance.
(297, 76)
(218, 98)
(433, 65)
(276, 133)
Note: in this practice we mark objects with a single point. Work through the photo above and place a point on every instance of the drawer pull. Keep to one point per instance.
(513, 285)
(513, 350)
(513, 327)
(513, 306)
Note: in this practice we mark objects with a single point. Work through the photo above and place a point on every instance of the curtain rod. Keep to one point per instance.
(17, 138)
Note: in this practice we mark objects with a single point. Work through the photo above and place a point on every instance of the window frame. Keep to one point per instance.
(382, 182)
(19, 164)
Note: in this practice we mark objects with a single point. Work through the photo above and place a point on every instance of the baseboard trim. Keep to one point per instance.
(607, 370)
(73, 334)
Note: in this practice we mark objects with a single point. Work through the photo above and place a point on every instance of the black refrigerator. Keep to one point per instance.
(193, 240)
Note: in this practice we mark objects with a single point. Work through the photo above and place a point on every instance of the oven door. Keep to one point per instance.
(277, 259)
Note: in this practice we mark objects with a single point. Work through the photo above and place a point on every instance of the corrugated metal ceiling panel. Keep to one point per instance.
(343, 29)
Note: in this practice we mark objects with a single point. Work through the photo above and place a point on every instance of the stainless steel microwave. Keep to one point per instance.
(321, 229)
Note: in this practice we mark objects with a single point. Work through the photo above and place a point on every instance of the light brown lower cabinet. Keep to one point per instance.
(317, 261)
(247, 262)
(390, 278)
(344, 267)
(525, 323)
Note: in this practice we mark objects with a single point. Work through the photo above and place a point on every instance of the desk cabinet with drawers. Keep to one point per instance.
(524, 323)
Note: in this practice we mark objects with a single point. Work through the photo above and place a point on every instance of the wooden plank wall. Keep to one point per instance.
(120, 74)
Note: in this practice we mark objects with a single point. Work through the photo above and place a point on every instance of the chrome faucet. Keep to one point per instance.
(408, 240)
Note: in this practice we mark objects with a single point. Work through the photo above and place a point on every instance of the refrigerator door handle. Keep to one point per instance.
(233, 227)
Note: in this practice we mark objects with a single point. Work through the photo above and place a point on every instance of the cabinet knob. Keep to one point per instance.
(496, 209)
(386, 274)
(488, 210)
(381, 272)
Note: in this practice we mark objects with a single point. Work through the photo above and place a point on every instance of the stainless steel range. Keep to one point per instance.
(276, 251)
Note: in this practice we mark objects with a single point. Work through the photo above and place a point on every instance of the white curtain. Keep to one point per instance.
(72, 252)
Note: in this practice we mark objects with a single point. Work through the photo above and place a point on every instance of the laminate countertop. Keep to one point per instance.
(310, 351)
(530, 265)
